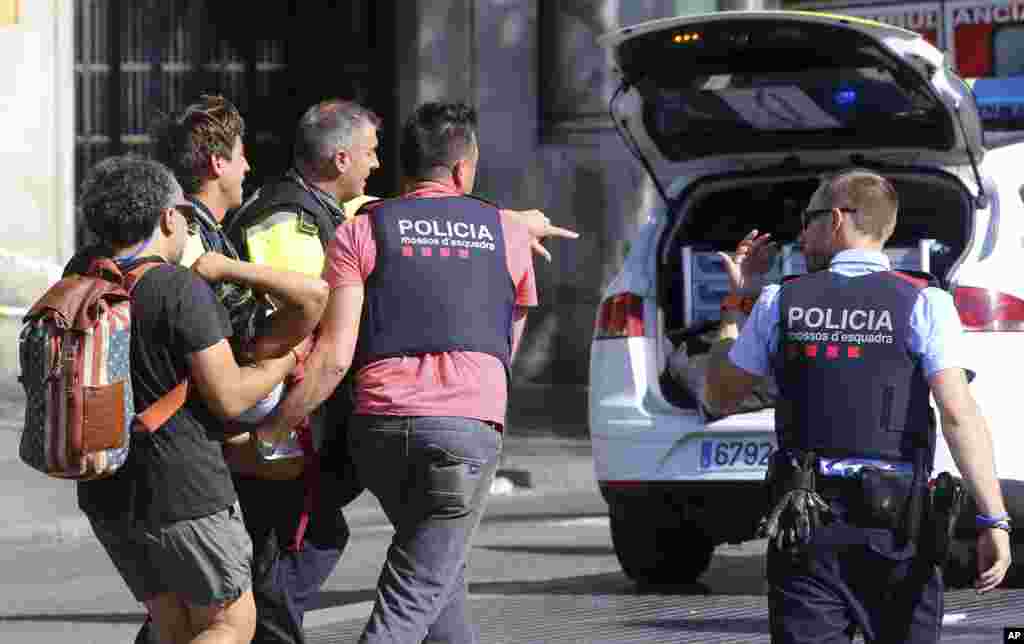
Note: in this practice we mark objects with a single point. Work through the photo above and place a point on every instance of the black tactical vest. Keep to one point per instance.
(288, 193)
(210, 232)
(246, 310)
(848, 385)
(441, 280)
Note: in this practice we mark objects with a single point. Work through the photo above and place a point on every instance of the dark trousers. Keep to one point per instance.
(286, 581)
(852, 578)
(432, 476)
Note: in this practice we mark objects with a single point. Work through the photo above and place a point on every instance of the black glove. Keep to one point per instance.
(792, 521)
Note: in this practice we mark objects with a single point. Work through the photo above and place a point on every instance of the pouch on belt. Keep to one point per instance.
(883, 499)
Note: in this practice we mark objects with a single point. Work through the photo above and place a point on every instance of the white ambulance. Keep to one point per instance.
(736, 116)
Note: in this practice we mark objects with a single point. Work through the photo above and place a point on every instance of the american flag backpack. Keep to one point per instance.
(74, 351)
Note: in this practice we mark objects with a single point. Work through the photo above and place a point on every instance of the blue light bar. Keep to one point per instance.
(1001, 90)
(845, 97)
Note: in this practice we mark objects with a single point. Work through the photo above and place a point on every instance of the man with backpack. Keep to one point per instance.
(169, 518)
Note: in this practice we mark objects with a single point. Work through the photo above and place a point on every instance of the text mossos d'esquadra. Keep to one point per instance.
(431, 232)
(857, 326)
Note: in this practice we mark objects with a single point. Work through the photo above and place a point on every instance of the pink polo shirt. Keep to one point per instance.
(458, 383)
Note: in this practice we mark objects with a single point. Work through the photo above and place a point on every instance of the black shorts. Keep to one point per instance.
(206, 561)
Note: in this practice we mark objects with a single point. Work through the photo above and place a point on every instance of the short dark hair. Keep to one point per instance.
(326, 128)
(872, 196)
(122, 198)
(187, 140)
(436, 136)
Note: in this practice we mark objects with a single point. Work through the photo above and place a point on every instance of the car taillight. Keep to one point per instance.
(982, 309)
(620, 316)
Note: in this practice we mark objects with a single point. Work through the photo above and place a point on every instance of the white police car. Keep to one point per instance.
(737, 115)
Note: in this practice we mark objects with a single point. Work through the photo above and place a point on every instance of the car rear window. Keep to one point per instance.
(708, 89)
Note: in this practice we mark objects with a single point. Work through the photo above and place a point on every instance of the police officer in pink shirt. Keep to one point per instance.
(429, 293)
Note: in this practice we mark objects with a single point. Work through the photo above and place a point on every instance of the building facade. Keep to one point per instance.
(90, 76)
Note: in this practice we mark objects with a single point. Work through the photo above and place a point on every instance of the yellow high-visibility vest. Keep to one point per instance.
(281, 241)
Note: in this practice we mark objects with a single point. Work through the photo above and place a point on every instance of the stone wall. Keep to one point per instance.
(542, 84)
(36, 171)
(532, 66)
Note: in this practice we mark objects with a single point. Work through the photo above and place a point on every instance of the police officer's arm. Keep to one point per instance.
(540, 227)
(301, 299)
(970, 444)
(518, 326)
(937, 336)
(326, 365)
(968, 437)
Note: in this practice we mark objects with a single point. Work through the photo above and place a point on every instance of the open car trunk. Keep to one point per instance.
(716, 213)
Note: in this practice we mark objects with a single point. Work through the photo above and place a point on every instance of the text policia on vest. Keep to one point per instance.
(445, 233)
(817, 324)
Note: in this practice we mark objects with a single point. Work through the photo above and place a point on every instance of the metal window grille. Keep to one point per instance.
(137, 60)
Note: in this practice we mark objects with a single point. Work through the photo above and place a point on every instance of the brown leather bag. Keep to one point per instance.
(74, 351)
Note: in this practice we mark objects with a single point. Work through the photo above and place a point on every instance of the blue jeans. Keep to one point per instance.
(432, 476)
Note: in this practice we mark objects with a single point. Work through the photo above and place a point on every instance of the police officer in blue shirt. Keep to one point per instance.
(855, 348)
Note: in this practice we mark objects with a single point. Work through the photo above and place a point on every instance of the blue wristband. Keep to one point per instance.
(986, 521)
(1000, 525)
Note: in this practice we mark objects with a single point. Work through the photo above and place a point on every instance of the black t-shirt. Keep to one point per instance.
(177, 472)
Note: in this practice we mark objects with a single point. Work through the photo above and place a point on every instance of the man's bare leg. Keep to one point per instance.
(233, 623)
(170, 618)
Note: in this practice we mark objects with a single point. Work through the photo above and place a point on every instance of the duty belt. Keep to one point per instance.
(873, 498)
(851, 467)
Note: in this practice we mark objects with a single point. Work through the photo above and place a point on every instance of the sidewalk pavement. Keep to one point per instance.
(546, 448)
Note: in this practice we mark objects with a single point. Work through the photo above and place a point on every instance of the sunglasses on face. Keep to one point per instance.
(807, 216)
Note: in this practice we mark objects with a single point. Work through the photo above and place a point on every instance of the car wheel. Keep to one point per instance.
(662, 550)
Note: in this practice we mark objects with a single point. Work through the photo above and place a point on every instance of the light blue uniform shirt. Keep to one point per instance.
(936, 336)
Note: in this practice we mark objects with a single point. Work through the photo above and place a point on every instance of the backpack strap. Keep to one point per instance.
(105, 268)
(167, 405)
(132, 277)
(161, 411)
(108, 269)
